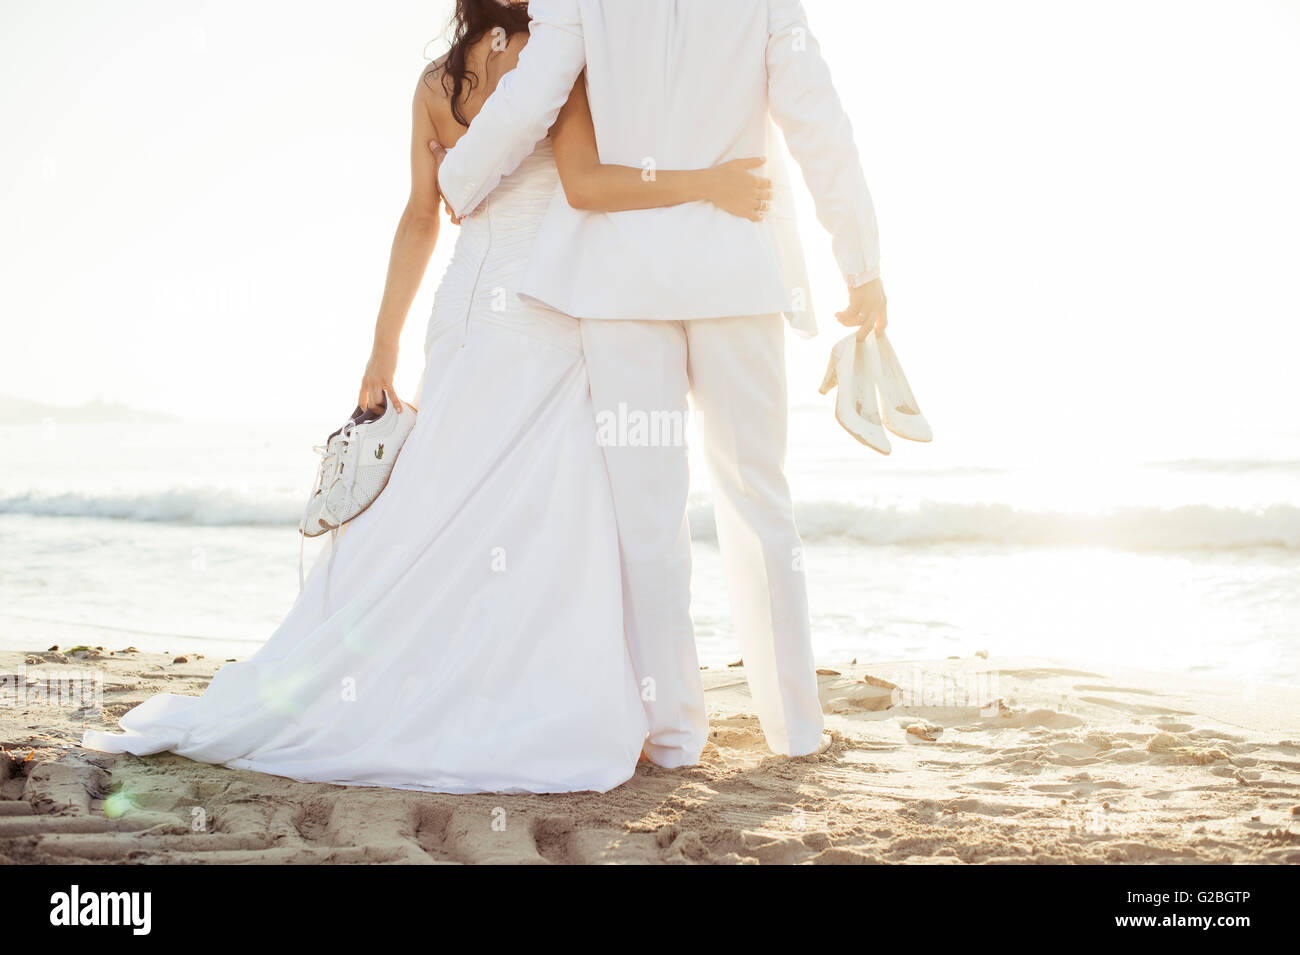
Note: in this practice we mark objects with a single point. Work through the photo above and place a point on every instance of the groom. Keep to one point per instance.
(688, 299)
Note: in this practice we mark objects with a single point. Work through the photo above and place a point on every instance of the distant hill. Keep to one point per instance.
(14, 410)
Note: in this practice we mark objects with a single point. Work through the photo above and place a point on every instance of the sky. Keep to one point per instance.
(1088, 211)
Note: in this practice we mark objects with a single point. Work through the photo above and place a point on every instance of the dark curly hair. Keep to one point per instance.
(471, 21)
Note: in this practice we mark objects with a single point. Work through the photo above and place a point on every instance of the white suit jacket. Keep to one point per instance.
(673, 84)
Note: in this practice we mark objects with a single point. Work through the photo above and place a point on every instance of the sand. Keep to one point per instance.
(954, 761)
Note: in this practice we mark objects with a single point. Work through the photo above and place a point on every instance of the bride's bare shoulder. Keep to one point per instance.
(486, 61)
(436, 97)
(431, 80)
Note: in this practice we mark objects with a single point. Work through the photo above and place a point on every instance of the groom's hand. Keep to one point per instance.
(866, 309)
(439, 153)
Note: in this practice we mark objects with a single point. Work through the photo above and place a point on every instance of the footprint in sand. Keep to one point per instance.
(1049, 719)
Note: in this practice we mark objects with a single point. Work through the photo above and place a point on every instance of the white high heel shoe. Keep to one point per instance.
(854, 367)
(898, 407)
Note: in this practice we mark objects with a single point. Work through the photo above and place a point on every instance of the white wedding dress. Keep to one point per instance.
(467, 634)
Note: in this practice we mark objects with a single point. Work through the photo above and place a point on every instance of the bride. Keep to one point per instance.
(466, 632)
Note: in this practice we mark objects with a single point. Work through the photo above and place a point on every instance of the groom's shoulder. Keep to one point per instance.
(741, 13)
(562, 11)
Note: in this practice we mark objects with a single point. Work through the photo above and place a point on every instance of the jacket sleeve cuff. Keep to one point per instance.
(456, 188)
(859, 279)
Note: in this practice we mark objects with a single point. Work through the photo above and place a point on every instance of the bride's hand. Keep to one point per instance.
(734, 189)
(378, 379)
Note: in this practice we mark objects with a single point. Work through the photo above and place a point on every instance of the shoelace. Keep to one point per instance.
(331, 452)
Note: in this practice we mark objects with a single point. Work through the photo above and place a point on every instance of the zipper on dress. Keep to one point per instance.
(478, 275)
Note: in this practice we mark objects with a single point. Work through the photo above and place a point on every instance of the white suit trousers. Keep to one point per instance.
(734, 371)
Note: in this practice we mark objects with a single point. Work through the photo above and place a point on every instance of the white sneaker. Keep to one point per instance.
(853, 368)
(310, 525)
(898, 405)
(356, 461)
(361, 456)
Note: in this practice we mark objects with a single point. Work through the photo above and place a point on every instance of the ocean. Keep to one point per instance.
(181, 537)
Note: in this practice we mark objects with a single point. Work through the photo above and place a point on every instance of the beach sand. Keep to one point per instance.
(953, 761)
